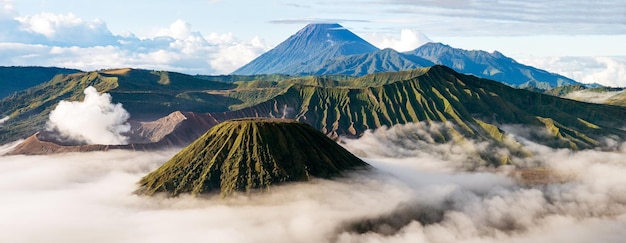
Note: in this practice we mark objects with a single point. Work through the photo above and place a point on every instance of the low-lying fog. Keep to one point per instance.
(416, 192)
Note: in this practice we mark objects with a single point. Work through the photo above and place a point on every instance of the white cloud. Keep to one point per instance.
(87, 197)
(179, 30)
(65, 40)
(409, 40)
(608, 71)
(231, 57)
(65, 30)
(95, 120)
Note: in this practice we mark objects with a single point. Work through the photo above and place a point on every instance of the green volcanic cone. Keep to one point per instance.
(248, 154)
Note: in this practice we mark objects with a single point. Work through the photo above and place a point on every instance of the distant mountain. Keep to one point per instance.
(14, 79)
(494, 66)
(331, 49)
(309, 47)
(250, 154)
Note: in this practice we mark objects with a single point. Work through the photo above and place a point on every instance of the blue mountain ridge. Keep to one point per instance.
(320, 49)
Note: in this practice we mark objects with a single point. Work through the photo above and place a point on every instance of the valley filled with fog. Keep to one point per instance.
(416, 191)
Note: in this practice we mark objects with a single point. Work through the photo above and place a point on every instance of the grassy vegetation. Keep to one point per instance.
(250, 154)
(338, 107)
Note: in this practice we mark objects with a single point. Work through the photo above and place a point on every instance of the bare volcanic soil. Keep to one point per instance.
(249, 154)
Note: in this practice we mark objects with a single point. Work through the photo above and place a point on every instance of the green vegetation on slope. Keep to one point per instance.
(476, 106)
(249, 154)
(145, 94)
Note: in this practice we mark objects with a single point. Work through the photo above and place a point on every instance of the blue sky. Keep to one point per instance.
(580, 39)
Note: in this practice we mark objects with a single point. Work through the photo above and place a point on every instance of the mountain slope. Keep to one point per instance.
(477, 107)
(386, 60)
(466, 106)
(308, 47)
(493, 66)
(145, 94)
(14, 79)
(249, 154)
(330, 49)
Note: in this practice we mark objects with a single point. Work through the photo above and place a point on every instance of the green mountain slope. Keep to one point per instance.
(249, 154)
(619, 99)
(145, 94)
(476, 106)
(472, 107)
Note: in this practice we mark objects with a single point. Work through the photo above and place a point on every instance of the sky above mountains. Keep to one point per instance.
(579, 39)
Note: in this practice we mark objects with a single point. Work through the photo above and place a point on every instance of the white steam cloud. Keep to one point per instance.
(411, 197)
(4, 119)
(94, 121)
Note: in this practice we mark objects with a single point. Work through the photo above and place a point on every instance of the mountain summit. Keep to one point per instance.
(308, 47)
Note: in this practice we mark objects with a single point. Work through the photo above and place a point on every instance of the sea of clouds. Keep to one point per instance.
(414, 192)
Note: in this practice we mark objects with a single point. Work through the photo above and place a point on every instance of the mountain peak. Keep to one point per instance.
(250, 154)
(308, 47)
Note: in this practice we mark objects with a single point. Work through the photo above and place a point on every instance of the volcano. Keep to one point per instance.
(307, 48)
(250, 154)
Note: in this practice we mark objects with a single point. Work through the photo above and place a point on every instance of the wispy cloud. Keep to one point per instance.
(315, 20)
(513, 17)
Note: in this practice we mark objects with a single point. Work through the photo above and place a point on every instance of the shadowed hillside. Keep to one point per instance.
(13, 79)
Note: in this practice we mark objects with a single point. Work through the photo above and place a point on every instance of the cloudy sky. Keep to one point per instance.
(580, 39)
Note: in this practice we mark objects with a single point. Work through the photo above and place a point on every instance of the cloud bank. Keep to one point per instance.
(95, 120)
(412, 197)
(608, 71)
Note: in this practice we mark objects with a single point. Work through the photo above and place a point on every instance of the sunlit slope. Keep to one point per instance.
(249, 154)
(477, 106)
(338, 105)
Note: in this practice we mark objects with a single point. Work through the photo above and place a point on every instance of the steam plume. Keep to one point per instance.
(94, 121)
